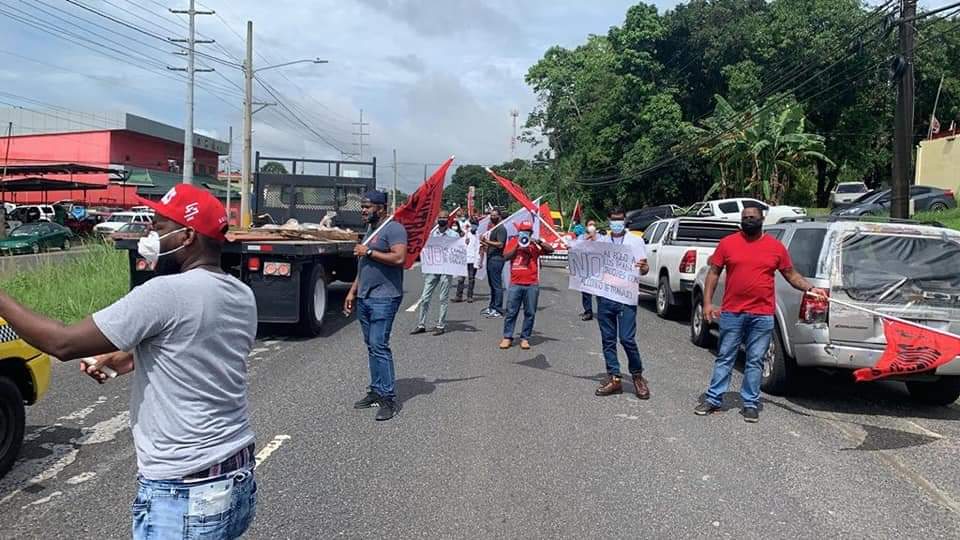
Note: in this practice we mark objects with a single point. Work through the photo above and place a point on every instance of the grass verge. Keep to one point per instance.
(72, 290)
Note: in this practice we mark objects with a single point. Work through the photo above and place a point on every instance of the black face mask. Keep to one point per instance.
(494, 219)
(373, 216)
(751, 226)
(441, 223)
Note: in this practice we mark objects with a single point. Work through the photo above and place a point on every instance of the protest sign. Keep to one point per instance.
(444, 255)
(604, 269)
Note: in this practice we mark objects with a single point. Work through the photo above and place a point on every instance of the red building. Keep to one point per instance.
(126, 141)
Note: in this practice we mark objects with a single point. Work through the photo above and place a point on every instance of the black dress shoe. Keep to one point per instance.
(586, 317)
(438, 331)
(418, 330)
(388, 409)
(372, 399)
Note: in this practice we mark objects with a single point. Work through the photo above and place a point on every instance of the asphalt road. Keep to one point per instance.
(514, 444)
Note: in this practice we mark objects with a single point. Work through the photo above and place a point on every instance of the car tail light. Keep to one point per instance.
(688, 264)
(949, 193)
(814, 309)
(276, 269)
(253, 264)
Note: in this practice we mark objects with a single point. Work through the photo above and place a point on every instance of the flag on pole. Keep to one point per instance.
(577, 214)
(934, 126)
(910, 349)
(419, 213)
(547, 234)
(471, 195)
(514, 190)
(510, 223)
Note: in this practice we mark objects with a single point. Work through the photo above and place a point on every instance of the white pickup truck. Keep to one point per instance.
(730, 209)
(676, 250)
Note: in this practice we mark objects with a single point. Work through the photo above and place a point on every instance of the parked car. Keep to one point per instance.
(81, 227)
(676, 250)
(847, 192)
(731, 209)
(24, 378)
(903, 269)
(36, 237)
(142, 210)
(640, 220)
(119, 219)
(131, 230)
(33, 212)
(925, 199)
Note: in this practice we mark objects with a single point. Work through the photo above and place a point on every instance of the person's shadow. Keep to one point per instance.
(412, 387)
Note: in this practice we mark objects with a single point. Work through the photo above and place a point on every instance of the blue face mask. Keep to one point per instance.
(525, 236)
(617, 226)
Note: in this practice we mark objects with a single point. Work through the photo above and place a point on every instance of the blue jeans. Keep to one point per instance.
(752, 331)
(495, 277)
(618, 320)
(587, 301)
(527, 295)
(376, 320)
(222, 507)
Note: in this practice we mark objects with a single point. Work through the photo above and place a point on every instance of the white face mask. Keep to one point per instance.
(149, 246)
(591, 229)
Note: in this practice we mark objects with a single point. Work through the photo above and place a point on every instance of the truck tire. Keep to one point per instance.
(11, 423)
(779, 370)
(313, 301)
(665, 301)
(699, 327)
(943, 392)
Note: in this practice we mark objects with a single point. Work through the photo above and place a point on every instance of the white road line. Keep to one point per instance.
(271, 447)
(44, 500)
(925, 431)
(414, 307)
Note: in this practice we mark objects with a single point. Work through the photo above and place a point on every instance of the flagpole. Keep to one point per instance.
(555, 233)
(886, 316)
(933, 115)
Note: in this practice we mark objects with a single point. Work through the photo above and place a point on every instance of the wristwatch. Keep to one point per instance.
(369, 254)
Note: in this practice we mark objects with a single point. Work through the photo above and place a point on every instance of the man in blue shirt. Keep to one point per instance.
(377, 292)
(438, 284)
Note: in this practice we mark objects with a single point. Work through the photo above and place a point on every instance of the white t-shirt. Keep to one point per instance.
(635, 242)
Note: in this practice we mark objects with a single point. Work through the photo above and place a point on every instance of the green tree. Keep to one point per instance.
(273, 167)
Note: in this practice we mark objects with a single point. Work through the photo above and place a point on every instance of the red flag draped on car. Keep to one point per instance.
(910, 349)
(419, 213)
(515, 191)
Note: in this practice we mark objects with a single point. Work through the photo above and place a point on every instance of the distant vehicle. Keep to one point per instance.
(81, 227)
(119, 219)
(33, 212)
(847, 192)
(142, 209)
(640, 220)
(24, 378)
(906, 270)
(676, 250)
(925, 199)
(36, 237)
(131, 230)
(731, 209)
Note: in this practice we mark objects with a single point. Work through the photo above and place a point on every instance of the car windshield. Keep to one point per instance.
(901, 269)
(851, 188)
(27, 230)
(120, 219)
(133, 227)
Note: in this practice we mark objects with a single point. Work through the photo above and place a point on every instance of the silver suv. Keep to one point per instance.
(903, 269)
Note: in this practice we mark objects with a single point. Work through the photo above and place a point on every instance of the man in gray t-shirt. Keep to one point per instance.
(377, 291)
(185, 335)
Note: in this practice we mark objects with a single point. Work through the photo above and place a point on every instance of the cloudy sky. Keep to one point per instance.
(433, 77)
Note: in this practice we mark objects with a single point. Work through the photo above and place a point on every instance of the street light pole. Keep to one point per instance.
(247, 165)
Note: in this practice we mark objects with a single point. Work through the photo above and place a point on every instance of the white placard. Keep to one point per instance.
(604, 269)
(445, 255)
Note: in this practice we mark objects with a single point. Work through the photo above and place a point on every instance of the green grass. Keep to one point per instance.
(72, 290)
(950, 218)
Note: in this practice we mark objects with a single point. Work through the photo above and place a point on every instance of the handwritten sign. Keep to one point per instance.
(444, 255)
(604, 269)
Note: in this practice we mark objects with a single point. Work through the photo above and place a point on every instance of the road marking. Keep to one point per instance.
(61, 455)
(925, 431)
(270, 449)
(81, 478)
(44, 500)
(628, 416)
(414, 307)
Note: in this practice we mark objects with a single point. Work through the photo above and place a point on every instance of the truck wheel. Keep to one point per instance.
(313, 301)
(779, 370)
(699, 327)
(665, 307)
(11, 423)
(944, 391)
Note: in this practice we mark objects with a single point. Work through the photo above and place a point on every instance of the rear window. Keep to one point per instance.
(901, 269)
(729, 207)
(851, 188)
(805, 249)
(701, 232)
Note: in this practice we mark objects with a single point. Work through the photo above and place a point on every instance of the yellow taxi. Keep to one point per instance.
(24, 378)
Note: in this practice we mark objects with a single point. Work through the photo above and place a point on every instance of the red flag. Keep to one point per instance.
(419, 213)
(515, 191)
(545, 233)
(910, 349)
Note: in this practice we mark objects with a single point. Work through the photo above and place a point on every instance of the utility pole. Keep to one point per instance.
(513, 140)
(360, 125)
(394, 210)
(903, 124)
(229, 171)
(6, 159)
(936, 102)
(191, 70)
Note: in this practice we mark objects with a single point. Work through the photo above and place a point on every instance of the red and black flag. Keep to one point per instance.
(910, 349)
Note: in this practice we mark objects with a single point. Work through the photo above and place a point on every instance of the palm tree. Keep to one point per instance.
(760, 151)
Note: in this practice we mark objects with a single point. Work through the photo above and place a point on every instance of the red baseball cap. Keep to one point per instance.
(192, 207)
(525, 226)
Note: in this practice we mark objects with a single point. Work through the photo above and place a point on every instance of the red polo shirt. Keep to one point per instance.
(525, 266)
(750, 266)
